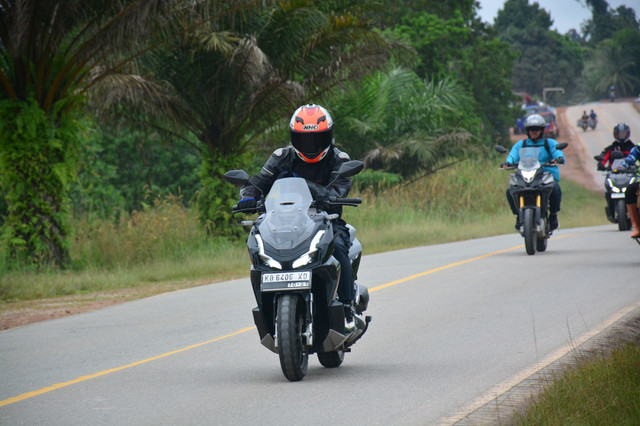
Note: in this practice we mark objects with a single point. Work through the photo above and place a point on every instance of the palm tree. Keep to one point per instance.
(401, 124)
(52, 54)
(232, 80)
(616, 67)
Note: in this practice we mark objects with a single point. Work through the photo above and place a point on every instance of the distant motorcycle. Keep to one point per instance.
(584, 123)
(593, 122)
(531, 187)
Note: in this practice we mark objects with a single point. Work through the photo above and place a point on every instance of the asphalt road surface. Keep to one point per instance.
(454, 325)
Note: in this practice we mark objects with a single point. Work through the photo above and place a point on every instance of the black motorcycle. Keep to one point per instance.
(615, 185)
(530, 187)
(295, 277)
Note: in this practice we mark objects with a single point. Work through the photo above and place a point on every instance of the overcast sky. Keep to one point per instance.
(566, 14)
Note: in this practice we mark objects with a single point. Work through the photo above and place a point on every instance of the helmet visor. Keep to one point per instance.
(311, 144)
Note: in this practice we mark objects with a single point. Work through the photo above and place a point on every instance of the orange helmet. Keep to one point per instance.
(311, 129)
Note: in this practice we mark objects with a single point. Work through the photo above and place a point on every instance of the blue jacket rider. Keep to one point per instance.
(534, 126)
(631, 194)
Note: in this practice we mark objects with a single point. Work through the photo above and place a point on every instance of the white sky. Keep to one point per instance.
(566, 14)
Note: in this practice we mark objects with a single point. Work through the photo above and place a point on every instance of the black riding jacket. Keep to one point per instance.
(624, 147)
(284, 162)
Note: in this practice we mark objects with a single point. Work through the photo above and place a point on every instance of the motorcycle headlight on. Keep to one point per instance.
(268, 260)
(613, 188)
(528, 175)
(310, 255)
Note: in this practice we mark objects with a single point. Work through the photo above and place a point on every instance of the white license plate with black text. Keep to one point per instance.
(292, 280)
(617, 195)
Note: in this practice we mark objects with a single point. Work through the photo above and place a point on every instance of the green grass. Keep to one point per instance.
(604, 390)
(164, 245)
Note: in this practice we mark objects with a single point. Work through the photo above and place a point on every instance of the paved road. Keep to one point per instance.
(453, 326)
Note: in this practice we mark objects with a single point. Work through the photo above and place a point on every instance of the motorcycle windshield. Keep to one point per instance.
(287, 221)
(529, 158)
(616, 163)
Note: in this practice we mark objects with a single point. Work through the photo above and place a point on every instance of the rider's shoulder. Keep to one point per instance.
(341, 155)
(283, 152)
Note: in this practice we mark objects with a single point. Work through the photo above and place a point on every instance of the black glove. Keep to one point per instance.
(247, 204)
(318, 192)
(558, 160)
(601, 167)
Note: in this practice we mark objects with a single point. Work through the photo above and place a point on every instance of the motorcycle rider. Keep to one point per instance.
(534, 126)
(631, 194)
(594, 118)
(312, 156)
(622, 143)
(585, 116)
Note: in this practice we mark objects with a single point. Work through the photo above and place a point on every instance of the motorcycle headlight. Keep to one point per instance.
(268, 260)
(528, 175)
(310, 255)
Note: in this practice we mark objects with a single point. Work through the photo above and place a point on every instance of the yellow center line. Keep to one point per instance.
(235, 333)
(451, 265)
(113, 370)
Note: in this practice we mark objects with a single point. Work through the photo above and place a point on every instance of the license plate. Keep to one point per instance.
(293, 280)
(617, 195)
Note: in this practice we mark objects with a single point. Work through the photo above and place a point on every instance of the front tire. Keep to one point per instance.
(621, 213)
(528, 227)
(294, 357)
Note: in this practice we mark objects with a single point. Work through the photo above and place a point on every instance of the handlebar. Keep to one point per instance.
(515, 166)
(334, 201)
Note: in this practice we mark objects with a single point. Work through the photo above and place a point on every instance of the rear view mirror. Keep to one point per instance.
(237, 177)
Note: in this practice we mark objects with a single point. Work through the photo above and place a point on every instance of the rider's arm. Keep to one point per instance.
(341, 186)
(263, 181)
(514, 154)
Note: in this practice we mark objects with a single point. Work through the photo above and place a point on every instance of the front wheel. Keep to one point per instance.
(292, 349)
(529, 230)
(621, 213)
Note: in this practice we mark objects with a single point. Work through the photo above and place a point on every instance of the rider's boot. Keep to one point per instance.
(635, 219)
(349, 321)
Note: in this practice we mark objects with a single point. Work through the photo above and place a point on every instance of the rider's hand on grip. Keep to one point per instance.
(246, 204)
(318, 192)
(506, 165)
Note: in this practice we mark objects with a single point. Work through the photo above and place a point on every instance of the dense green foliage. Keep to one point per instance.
(176, 93)
(585, 66)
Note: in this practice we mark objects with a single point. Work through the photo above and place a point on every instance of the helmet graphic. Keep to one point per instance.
(311, 129)
(621, 132)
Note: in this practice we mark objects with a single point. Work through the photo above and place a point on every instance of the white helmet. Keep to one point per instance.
(535, 122)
